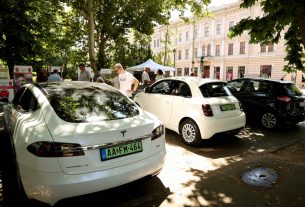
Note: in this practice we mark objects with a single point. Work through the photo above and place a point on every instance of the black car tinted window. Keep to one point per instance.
(293, 90)
(214, 90)
(91, 103)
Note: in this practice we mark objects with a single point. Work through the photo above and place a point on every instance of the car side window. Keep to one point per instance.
(164, 87)
(26, 100)
(182, 89)
(252, 86)
(235, 85)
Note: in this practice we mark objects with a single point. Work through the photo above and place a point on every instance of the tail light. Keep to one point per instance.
(241, 106)
(157, 132)
(284, 98)
(53, 149)
(207, 110)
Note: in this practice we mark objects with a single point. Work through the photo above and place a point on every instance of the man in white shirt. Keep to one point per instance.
(145, 77)
(126, 81)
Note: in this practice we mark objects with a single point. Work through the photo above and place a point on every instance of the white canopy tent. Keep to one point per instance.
(150, 64)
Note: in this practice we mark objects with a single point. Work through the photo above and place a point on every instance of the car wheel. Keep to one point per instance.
(269, 120)
(190, 132)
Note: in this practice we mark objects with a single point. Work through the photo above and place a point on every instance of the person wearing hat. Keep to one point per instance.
(128, 84)
(84, 74)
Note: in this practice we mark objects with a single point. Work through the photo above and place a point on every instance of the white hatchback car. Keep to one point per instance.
(194, 107)
(73, 138)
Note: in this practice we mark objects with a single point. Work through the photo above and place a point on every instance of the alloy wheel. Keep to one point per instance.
(269, 120)
(188, 132)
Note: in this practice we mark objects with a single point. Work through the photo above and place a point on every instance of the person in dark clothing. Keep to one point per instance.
(42, 75)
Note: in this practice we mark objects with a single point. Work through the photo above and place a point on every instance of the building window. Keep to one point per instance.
(217, 73)
(241, 71)
(265, 71)
(179, 37)
(217, 50)
(218, 29)
(155, 43)
(231, 24)
(186, 71)
(229, 75)
(206, 31)
(203, 50)
(196, 52)
(158, 42)
(179, 71)
(263, 48)
(179, 54)
(270, 47)
(206, 72)
(242, 47)
(187, 53)
(187, 36)
(230, 49)
(209, 50)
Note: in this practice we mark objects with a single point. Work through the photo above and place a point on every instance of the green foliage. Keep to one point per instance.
(287, 16)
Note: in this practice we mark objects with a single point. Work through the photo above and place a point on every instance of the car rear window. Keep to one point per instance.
(293, 90)
(214, 90)
(88, 104)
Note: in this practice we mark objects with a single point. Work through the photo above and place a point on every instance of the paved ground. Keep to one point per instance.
(218, 182)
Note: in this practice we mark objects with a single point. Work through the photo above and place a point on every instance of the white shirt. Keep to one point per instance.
(126, 79)
(145, 77)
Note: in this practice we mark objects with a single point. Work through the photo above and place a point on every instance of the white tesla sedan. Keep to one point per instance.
(194, 107)
(74, 138)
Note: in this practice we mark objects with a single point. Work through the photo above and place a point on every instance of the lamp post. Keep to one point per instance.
(174, 51)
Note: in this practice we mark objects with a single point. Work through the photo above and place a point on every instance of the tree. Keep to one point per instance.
(287, 16)
(109, 20)
(17, 42)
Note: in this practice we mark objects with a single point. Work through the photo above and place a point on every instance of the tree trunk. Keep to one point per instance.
(91, 31)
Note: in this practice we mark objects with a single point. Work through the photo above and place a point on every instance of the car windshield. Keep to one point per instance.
(215, 89)
(293, 90)
(88, 103)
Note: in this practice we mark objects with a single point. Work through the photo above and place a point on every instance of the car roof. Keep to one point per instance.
(265, 79)
(194, 80)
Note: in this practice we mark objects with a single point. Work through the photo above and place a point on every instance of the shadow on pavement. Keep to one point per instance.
(144, 192)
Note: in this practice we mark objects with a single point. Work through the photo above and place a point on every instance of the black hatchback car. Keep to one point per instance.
(271, 102)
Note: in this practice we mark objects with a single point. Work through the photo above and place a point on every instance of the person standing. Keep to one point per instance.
(128, 83)
(84, 74)
(145, 77)
(42, 75)
(159, 75)
(54, 76)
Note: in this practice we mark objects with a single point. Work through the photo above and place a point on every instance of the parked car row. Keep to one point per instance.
(199, 108)
(73, 138)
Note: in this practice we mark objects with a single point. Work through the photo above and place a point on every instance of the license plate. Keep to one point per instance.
(121, 150)
(227, 107)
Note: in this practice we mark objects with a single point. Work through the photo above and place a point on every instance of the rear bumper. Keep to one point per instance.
(288, 118)
(52, 187)
(220, 125)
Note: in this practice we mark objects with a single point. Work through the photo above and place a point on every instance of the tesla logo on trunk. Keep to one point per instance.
(123, 132)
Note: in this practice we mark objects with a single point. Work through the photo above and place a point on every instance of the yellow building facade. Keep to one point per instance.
(203, 48)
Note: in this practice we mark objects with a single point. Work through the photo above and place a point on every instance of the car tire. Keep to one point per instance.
(269, 120)
(190, 132)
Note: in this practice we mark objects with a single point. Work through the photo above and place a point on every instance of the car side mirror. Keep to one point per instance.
(147, 89)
